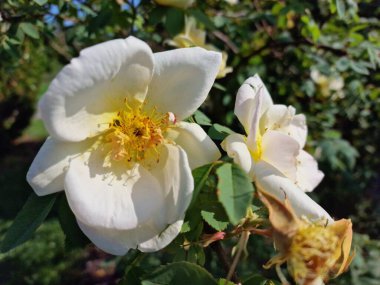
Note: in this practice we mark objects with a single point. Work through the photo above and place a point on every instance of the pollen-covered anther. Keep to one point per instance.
(136, 133)
(312, 253)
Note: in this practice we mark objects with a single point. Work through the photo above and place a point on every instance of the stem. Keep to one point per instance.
(219, 250)
(136, 259)
(241, 245)
(281, 275)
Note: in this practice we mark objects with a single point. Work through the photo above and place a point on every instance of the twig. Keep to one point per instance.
(224, 38)
(241, 245)
(219, 250)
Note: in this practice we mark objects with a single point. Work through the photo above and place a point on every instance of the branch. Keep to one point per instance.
(220, 252)
(276, 45)
(241, 245)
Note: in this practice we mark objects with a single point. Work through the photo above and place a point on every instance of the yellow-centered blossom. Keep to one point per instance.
(271, 150)
(118, 145)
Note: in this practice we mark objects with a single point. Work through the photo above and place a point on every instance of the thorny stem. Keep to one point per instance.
(241, 245)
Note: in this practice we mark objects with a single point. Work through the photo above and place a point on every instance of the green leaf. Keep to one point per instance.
(196, 255)
(234, 191)
(185, 227)
(175, 21)
(219, 132)
(184, 273)
(341, 8)
(74, 237)
(342, 64)
(30, 217)
(223, 281)
(30, 30)
(194, 222)
(203, 18)
(359, 67)
(201, 119)
(156, 15)
(129, 263)
(215, 219)
(40, 2)
(256, 279)
(200, 176)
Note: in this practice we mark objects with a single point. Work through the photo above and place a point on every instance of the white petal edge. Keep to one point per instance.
(47, 172)
(308, 174)
(85, 94)
(236, 148)
(245, 103)
(182, 79)
(118, 242)
(199, 147)
(254, 131)
(271, 180)
(112, 197)
(162, 239)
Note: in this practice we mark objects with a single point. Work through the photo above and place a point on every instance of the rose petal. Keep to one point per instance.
(182, 79)
(138, 213)
(118, 242)
(308, 175)
(162, 239)
(174, 174)
(112, 197)
(283, 119)
(200, 149)
(83, 96)
(245, 103)
(272, 181)
(281, 151)
(236, 148)
(47, 172)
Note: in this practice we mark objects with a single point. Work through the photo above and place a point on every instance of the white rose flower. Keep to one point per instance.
(271, 153)
(117, 145)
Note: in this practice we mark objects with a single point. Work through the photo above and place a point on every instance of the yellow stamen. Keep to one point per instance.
(136, 133)
(311, 253)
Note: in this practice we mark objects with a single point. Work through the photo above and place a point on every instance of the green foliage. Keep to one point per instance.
(41, 260)
(74, 237)
(27, 220)
(235, 191)
(219, 132)
(258, 280)
(179, 273)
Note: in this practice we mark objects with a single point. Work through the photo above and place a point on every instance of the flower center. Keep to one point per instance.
(312, 253)
(135, 133)
(257, 150)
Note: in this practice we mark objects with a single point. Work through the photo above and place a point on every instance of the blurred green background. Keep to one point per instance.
(322, 57)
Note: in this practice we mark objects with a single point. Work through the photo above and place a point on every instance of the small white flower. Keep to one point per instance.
(117, 145)
(271, 152)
